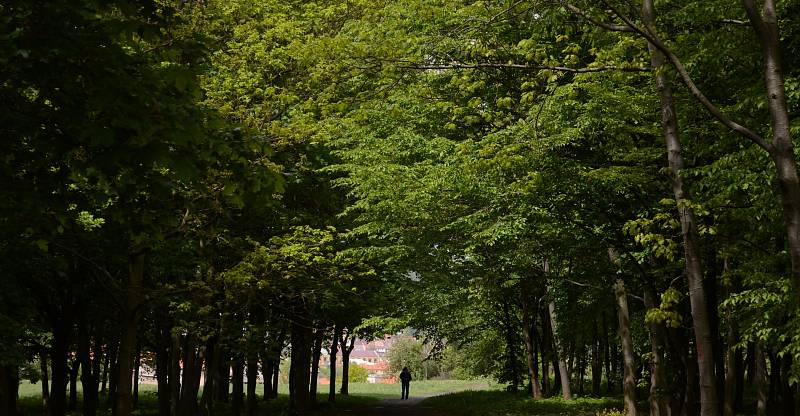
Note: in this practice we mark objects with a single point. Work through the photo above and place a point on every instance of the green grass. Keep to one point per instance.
(496, 403)
(361, 394)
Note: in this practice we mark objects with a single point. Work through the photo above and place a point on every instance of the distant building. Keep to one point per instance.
(370, 355)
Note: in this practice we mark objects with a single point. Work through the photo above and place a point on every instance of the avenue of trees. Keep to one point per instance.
(573, 197)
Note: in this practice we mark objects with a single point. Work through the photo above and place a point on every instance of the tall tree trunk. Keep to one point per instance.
(299, 399)
(566, 393)
(113, 374)
(74, 370)
(659, 401)
(89, 379)
(192, 364)
(709, 404)
(511, 347)
(213, 358)
(162, 370)
(761, 380)
(346, 343)
(629, 378)
(45, 380)
(106, 363)
(175, 373)
(765, 25)
(266, 374)
(59, 367)
(544, 347)
(597, 362)
(527, 329)
(252, 378)
(732, 338)
(136, 368)
(9, 389)
(607, 356)
(237, 398)
(316, 353)
(127, 344)
(337, 329)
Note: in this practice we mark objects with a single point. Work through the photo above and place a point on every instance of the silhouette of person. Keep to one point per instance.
(405, 380)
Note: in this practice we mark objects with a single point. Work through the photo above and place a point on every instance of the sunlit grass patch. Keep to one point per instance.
(497, 403)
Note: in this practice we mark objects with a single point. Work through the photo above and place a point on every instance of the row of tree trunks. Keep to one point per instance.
(334, 352)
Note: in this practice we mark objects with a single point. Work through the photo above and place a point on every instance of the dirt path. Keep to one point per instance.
(396, 407)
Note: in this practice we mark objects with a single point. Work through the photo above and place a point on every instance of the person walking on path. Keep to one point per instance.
(405, 380)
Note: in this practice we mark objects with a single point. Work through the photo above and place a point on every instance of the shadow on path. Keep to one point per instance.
(411, 407)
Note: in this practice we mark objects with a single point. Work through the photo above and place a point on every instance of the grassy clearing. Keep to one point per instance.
(361, 394)
(496, 403)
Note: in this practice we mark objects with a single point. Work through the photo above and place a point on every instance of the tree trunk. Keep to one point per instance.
(511, 344)
(237, 398)
(527, 329)
(607, 356)
(709, 404)
(74, 370)
(136, 367)
(346, 343)
(316, 353)
(562, 365)
(213, 358)
(659, 400)
(597, 362)
(9, 389)
(127, 344)
(732, 338)
(58, 364)
(266, 374)
(192, 364)
(89, 378)
(111, 396)
(765, 25)
(337, 329)
(299, 399)
(162, 370)
(629, 378)
(175, 373)
(761, 380)
(45, 381)
(252, 378)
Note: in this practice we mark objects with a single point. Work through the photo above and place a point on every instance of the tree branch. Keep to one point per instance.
(525, 67)
(597, 22)
(650, 35)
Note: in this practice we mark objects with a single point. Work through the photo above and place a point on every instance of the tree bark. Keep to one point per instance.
(629, 378)
(74, 370)
(45, 380)
(252, 378)
(511, 348)
(136, 365)
(709, 404)
(527, 329)
(765, 25)
(337, 329)
(760, 380)
(162, 370)
(346, 343)
(58, 363)
(732, 338)
(89, 376)
(659, 401)
(175, 373)
(237, 398)
(316, 353)
(566, 393)
(9, 389)
(127, 344)
(299, 399)
(597, 362)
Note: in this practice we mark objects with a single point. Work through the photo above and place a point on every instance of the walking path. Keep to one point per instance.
(396, 407)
